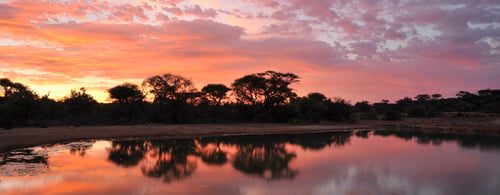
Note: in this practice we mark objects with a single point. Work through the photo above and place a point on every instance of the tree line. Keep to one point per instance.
(465, 104)
(259, 97)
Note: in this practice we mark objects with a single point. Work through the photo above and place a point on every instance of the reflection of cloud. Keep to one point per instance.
(355, 179)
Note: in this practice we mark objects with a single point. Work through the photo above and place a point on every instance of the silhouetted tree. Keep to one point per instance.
(215, 93)
(436, 96)
(175, 96)
(169, 87)
(79, 106)
(270, 88)
(490, 100)
(316, 107)
(312, 108)
(339, 109)
(10, 87)
(465, 95)
(18, 106)
(212, 97)
(403, 104)
(249, 89)
(277, 89)
(126, 93)
(363, 106)
(466, 102)
(268, 94)
(422, 97)
(318, 97)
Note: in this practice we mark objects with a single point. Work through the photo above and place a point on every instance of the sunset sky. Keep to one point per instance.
(354, 49)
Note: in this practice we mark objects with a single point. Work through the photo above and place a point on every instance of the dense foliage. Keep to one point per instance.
(260, 97)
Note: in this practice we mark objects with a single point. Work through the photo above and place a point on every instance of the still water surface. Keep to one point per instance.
(359, 162)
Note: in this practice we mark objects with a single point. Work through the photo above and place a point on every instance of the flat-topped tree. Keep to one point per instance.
(169, 87)
(126, 93)
(270, 88)
(215, 93)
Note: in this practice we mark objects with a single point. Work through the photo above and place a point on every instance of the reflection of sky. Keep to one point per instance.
(378, 165)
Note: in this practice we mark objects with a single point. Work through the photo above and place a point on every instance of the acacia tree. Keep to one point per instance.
(215, 93)
(249, 89)
(270, 88)
(10, 87)
(126, 93)
(277, 89)
(436, 96)
(423, 97)
(169, 87)
(18, 105)
(80, 105)
(175, 96)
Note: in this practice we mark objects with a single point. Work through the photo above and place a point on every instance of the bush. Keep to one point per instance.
(392, 115)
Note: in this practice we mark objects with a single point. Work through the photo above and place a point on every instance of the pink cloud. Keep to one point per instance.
(197, 11)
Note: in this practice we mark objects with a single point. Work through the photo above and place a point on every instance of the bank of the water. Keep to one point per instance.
(26, 137)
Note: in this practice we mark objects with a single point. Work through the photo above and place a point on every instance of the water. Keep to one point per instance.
(326, 163)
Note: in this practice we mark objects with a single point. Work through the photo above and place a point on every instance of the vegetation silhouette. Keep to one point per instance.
(27, 160)
(263, 156)
(24, 156)
(481, 142)
(260, 97)
(213, 95)
(126, 93)
(169, 160)
(80, 106)
(318, 141)
(211, 152)
(362, 134)
(128, 153)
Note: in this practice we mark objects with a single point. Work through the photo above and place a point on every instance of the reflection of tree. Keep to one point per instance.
(317, 141)
(127, 153)
(466, 141)
(169, 159)
(24, 156)
(211, 153)
(23, 162)
(262, 156)
(341, 138)
(268, 160)
(362, 134)
(80, 148)
(166, 159)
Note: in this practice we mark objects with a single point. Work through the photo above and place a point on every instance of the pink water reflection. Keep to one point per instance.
(261, 165)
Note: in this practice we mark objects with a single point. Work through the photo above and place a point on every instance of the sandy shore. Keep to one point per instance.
(25, 137)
